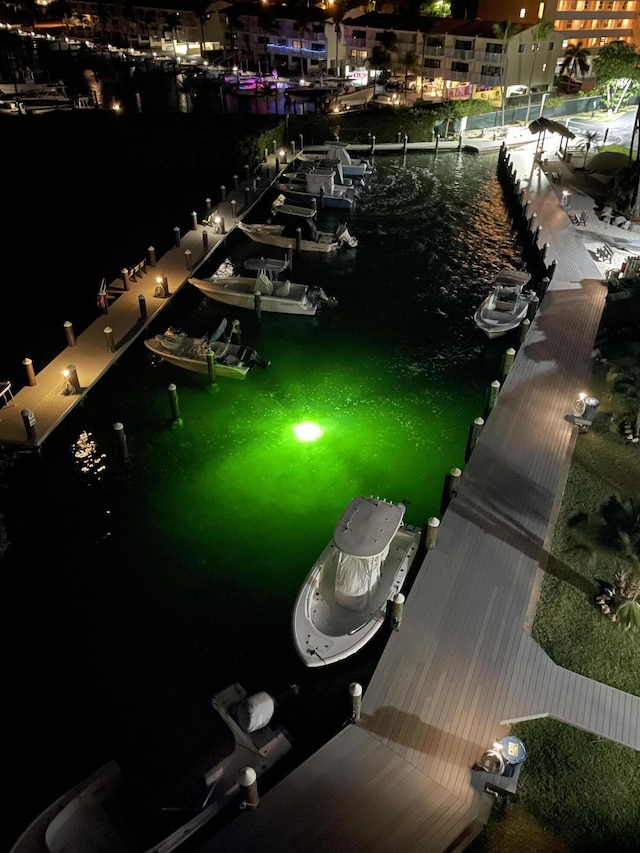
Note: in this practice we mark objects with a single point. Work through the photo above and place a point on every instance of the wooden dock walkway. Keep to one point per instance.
(37, 408)
(463, 666)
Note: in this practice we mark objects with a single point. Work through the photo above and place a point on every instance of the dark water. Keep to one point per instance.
(185, 561)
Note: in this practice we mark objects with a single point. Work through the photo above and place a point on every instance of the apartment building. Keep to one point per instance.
(593, 22)
(454, 58)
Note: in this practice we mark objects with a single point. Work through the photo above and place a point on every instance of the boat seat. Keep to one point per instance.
(505, 305)
(283, 288)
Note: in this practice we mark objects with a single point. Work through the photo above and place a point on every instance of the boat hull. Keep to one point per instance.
(240, 292)
(190, 354)
(273, 235)
(323, 631)
(298, 196)
(88, 817)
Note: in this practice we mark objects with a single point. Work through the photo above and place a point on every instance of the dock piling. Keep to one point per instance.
(249, 788)
(432, 532)
(176, 236)
(355, 691)
(72, 377)
(68, 330)
(108, 336)
(173, 402)
(31, 376)
(194, 220)
(152, 256)
(142, 305)
(29, 421)
(187, 259)
(122, 440)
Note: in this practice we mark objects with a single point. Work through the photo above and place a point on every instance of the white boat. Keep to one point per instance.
(343, 601)
(507, 305)
(317, 185)
(264, 289)
(36, 99)
(230, 359)
(337, 153)
(298, 230)
(182, 768)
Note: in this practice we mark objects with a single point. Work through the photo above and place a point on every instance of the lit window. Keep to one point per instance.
(523, 12)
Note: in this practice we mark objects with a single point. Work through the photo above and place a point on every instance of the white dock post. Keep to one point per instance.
(72, 376)
(176, 236)
(249, 788)
(397, 608)
(494, 390)
(187, 258)
(194, 220)
(152, 256)
(507, 361)
(355, 691)
(432, 532)
(173, 402)
(122, 440)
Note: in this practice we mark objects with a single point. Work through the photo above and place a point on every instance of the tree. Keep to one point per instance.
(173, 22)
(539, 34)
(447, 111)
(426, 24)
(576, 60)
(410, 61)
(337, 15)
(505, 32)
(380, 54)
(201, 10)
(378, 60)
(616, 69)
(590, 136)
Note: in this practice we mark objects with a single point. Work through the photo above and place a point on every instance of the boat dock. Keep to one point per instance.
(463, 666)
(126, 307)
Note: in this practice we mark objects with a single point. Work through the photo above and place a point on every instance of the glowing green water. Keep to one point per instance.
(190, 556)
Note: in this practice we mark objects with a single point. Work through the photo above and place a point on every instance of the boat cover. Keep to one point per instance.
(363, 537)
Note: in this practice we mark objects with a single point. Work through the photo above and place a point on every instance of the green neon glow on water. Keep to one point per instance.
(308, 431)
(199, 544)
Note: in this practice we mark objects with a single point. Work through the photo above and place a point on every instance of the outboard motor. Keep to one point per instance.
(344, 237)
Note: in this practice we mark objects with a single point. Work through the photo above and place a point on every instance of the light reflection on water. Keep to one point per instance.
(190, 555)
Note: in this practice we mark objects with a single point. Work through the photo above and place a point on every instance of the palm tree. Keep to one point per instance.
(203, 16)
(173, 22)
(337, 15)
(505, 32)
(539, 34)
(447, 111)
(425, 26)
(379, 59)
(410, 61)
(591, 136)
(575, 59)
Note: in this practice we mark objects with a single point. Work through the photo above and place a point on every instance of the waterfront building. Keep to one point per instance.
(595, 23)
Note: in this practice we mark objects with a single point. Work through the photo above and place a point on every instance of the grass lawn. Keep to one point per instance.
(578, 792)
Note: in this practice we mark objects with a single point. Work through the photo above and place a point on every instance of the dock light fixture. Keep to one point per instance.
(307, 431)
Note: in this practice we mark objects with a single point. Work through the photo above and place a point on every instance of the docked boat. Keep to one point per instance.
(343, 601)
(265, 289)
(181, 765)
(507, 305)
(231, 359)
(36, 99)
(316, 185)
(297, 229)
(335, 154)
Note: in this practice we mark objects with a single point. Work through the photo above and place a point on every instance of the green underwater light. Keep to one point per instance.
(307, 431)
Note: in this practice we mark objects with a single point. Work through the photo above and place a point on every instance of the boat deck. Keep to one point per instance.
(463, 667)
